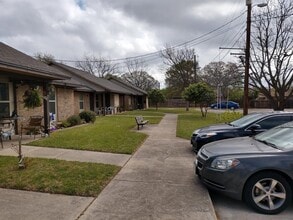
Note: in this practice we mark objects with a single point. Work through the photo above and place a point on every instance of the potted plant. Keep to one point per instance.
(32, 98)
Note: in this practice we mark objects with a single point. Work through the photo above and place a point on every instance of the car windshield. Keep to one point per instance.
(246, 120)
(279, 137)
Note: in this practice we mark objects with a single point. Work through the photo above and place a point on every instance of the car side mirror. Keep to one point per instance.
(254, 127)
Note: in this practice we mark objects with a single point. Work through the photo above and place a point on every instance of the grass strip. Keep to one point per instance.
(56, 176)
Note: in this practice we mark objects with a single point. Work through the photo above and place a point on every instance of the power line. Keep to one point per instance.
(157, 53)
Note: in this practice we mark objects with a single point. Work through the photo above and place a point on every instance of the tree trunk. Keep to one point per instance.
(279, 105)
(187, 106)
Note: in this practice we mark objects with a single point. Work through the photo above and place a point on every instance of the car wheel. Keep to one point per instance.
(268, 193)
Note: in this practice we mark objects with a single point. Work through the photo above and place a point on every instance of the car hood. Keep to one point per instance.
(242, 145)
(216, 128)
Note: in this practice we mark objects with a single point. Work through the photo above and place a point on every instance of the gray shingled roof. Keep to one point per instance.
(75, 81)
(101, 82)
(12, 60)
(135, 90)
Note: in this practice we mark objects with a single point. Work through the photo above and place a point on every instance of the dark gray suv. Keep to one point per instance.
(248, 125)
(257, 169)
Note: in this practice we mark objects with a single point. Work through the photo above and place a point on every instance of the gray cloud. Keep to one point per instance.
(69, 29)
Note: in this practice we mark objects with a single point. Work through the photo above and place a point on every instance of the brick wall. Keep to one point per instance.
(64, 102)
(67, 104)
(23, 112)
(86, 102)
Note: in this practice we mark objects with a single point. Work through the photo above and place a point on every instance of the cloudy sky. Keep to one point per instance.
(117, 29)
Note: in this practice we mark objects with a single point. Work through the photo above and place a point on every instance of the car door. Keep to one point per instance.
(270, 122)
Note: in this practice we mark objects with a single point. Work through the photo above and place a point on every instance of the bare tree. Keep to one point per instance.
(141, 80)
(272, 51)
(174, 56)
(136, 65)
(181, 70)
(137, 75)
(221, 73)
(44, 57)
(97, 66)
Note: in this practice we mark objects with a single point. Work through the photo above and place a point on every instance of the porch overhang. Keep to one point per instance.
(17, 71)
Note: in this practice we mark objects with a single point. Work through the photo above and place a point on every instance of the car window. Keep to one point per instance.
(246, 120)
(274, 121)
(281, 137)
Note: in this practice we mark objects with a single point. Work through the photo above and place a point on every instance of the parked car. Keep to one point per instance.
(248, 125)
(225, 105)
(256, 169)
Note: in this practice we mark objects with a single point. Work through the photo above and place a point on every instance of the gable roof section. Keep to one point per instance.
(90, 79)
(135, 90)
(14, 61)
(78, 83)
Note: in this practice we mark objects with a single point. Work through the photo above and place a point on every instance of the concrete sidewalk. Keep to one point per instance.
(69, 155)
(157, 182)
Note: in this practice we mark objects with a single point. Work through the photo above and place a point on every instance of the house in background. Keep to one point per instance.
(138, 99)
(263, 102)
(107, 96)
(18, 73)
(64, 90)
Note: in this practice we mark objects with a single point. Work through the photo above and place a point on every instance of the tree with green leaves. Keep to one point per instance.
(221, 73)
(201, 94)
(181, 70)
(236, 95)
(156, 97)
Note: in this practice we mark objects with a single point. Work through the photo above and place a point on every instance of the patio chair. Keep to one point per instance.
(6, 129)
(34, 125)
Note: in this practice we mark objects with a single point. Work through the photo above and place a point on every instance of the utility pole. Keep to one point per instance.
(194, 67)
(247, 57)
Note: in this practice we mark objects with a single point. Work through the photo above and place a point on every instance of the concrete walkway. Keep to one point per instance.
(157, 182)
(69, 155)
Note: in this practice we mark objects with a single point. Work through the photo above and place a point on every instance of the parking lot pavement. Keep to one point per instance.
(227, 208)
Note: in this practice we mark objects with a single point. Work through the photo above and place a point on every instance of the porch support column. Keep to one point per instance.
(104, 103)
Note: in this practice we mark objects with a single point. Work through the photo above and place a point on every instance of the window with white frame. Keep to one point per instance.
(52, 103)
(81, 102)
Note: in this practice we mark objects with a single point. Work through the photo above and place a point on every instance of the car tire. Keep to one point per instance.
(267, 193)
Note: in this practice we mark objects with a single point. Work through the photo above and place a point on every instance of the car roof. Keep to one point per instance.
(272, 113)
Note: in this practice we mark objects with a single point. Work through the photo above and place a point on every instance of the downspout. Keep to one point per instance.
(46, 108)
(14, 87)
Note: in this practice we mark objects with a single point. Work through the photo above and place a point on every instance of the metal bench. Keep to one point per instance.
(140, 121)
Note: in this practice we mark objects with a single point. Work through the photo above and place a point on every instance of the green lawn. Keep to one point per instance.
(56, 176)
(188, 122)
(115, 134)
(145, 113)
